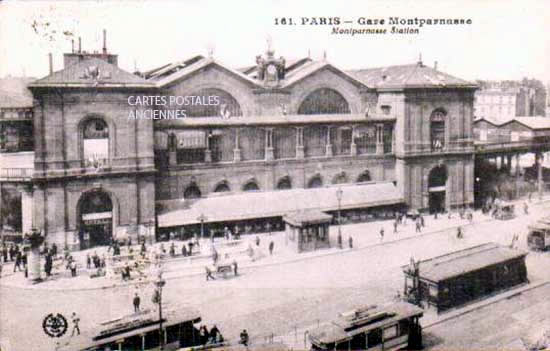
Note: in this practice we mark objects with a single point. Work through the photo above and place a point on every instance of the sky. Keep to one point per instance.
(507, 39)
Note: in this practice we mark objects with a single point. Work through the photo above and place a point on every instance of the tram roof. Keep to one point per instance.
(363, 320)
(460, 262)
(128, 326)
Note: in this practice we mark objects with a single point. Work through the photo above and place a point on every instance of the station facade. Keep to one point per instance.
(279, 125)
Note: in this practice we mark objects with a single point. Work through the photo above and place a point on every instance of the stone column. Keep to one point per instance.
(518, 167)
(237, 150)
(269, 154)
(353, 146)
(540, 184)
(208, 152)
(27, 210)
(328, 147)
(300, 154)
(509, 164)
(379, 139)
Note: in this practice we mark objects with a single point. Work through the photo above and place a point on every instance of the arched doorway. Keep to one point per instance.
(437, 181)
(96, 219)
(222, 187)
(251, 185)
(364, 177)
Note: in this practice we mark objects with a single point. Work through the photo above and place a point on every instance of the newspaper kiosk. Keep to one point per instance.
(307, 231)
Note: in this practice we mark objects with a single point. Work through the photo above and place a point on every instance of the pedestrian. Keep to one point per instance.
(137, 301)
(214, 334)
(17, 265)
(235, 268)
(418, 226)
(172, 250)
(54, 250)
(75, 321)
(88, 261)
(525, 208)
(257, 240)
(459, 234)
(395, 226)
(48, 265)
(11, 252)
(209, 274)
(143, 249)
(215, 256)
(190, 251)
(184, 250)
(422, 223)
(5, 252)
(271, 247)
(244, 338)
(381, 234)
(339, 239)
(203, 335)
(350, 241)
(72, 266)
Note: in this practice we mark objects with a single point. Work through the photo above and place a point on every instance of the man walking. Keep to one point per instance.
(350, 241)
(76, 328)
(381, 234)
(17, 261)
(271, 247)
(395, 226)
(209, 274)
(418, 225)
(137, 301)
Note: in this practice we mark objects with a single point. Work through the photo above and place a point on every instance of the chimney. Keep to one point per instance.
(50, 59)
(104, 41)
(435, 65)
(79, 45)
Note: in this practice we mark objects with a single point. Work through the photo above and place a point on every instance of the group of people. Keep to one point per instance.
(214, 336)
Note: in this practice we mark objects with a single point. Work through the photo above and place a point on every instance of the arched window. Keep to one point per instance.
(192, 192)
(437, 177)
(340, 178)
(222, 187)
(212, 102)
(364, 177)
(284, 183)
(437, 129)
(95, 142)
(324, 101)
(251, 185)
(315, 182)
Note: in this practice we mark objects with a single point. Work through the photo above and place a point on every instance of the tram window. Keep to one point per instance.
(374, 338)
(404, 327)
(433, 290)
(390, 333)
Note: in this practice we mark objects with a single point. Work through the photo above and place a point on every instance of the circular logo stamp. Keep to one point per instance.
(55, 325)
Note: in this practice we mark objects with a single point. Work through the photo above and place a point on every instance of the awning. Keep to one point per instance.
(251, 205)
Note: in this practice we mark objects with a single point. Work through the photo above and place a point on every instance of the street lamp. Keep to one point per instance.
(159, 284)
(202, 218)
(339, 194)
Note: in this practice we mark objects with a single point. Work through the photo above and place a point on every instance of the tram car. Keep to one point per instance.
(140, 331)
(538, 237)
(389, 327)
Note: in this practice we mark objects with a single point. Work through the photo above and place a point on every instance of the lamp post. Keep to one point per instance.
(160, 284)
(202, 218)
(339, 194)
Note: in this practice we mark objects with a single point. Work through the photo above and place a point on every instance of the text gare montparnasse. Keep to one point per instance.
(161, 100)
(397, 24)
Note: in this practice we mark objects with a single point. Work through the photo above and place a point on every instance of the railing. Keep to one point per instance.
(492, 146)
(16, 173)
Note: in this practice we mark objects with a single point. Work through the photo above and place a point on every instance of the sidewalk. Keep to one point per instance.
(365, 236)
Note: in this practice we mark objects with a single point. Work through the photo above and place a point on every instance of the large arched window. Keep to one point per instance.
(437, 129)
(364, 177)
(251, 185)
(324, 101)
(284, 183)
(315, 182)
(212, 102)
(340, 178)
(192, 192)
(95, 142)
(222, 187)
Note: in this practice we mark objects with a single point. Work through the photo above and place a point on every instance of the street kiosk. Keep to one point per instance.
(308, 230)
(538, 237)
